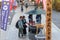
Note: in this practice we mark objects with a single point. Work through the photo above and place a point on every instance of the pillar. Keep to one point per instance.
(48, 19)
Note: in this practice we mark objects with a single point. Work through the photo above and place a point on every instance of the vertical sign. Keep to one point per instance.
(5, 12)
(48, 19)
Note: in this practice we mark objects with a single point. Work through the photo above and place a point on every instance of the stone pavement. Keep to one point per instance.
(56, 18)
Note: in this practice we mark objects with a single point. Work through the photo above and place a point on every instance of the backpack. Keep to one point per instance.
(17, 26)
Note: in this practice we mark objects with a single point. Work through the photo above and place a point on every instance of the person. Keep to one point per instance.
(38, 18)
(36, 6)
(20, 24)
(24, 25)
(18, 2)
(21, 8)
(26, 5)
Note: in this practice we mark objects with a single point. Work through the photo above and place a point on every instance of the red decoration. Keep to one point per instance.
(37, 1)
(11, 4)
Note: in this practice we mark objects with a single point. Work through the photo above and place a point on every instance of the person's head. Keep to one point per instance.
(21, 17)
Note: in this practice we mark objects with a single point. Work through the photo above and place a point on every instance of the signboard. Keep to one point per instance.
(4, 14)
(48, 19)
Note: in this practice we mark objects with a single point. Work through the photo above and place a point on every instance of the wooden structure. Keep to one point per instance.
(39, 26)
(48, 19)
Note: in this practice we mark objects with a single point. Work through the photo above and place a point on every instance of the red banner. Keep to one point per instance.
(11, 4)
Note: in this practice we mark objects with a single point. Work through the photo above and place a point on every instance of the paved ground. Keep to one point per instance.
(56, 18)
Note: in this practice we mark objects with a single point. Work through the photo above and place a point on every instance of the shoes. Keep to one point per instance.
(22, 35)
(19, 36)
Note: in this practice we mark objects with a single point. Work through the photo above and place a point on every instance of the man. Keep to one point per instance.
(20, 24)
(24, 25)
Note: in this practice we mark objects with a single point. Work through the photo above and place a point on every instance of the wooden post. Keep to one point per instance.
(48, 19)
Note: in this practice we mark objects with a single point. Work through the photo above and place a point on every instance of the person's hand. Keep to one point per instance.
(28, 23)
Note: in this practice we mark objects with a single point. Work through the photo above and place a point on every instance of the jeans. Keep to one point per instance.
(20, 32)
